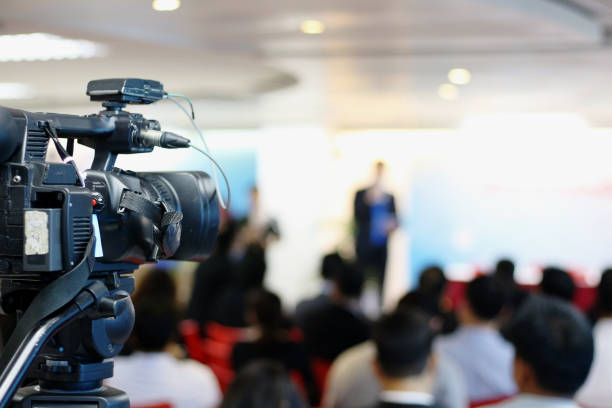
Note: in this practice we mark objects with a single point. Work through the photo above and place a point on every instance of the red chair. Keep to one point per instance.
(224, 334)
(190, 332)
(163, 405)
(320, 369)
(214, 350)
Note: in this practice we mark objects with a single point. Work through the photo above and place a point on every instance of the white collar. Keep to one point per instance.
(406, 397)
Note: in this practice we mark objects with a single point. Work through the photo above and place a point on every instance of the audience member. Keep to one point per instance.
(270, 340)
(352, 383)
(247, 274)
(477, 347)
(335, 327)
(554, 351)
(262, 384)
(151, 375)
(329, 269)
(404, 364)
(557, 282)
(597, 392)
(514, 296)
(428, 297)
(213, 275)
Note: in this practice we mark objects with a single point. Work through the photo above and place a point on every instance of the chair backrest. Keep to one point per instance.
(224, 334)
(214, 350)
(320, 370)
(190, 332)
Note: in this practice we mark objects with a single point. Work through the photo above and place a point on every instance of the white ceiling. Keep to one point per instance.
(378, 64)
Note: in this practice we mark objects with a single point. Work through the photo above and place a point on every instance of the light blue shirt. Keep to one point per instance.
(485, 359)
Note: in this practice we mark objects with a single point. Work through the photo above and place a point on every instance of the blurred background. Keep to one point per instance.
(492, 116)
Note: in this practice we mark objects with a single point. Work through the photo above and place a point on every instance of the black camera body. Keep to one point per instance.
(71, 290)
(46, 216)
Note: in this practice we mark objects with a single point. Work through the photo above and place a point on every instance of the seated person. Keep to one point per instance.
(214, 274)
(151, 375)
(597, 392)
(428, 296)
(482, 354)
(513, 294)
(352, 382)
(557, 282)
(339, 325)
(270, 341)
(554, 351)
(262, 384)
(247, 274)
(404, 363)
(329, 268)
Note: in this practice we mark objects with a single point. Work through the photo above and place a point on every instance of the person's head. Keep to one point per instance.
(557, 282)
(262, 384)
(225, 239)
(604, 293)
(379, 170)
(254, 195)
(432, 281)
(330, 265)
(403, 346)
(250, 271)
(553, 346)
(156, 285)
(484, 301)
(504, 270)
(348, 282)
(265, 311)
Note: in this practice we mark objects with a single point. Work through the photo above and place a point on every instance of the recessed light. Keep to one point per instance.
(448, 92)
(166, 5)
(312, 27)
(459, 76)
(16, 90)
(44, 47)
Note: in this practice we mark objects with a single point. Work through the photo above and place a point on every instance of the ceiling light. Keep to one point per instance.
(312, 27)
(459, 76)
(448, 92)
(43, 47)
(166, 5)
(16, 90)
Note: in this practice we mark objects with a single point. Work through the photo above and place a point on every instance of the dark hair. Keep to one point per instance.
(154, 327)
(557, 282)
(266, 307)
(604, 292)
(504, 270)
(485, 297)
(156, 285)
(251, 269)
(330, 265)
(349, 280)
(555, 340)
(156, 311)
(432, 281)
(403, 343)
(262, 384)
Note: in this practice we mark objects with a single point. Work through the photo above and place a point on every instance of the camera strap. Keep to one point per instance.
(54, 296)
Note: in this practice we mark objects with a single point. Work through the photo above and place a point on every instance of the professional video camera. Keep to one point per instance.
(69, 242)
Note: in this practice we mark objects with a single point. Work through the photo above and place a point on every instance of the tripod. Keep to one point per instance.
(69, 353)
